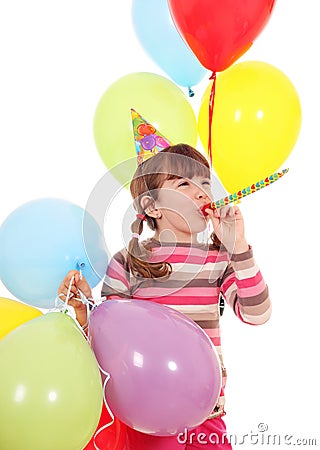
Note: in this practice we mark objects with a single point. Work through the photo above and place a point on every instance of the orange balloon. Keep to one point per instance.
(14, 313)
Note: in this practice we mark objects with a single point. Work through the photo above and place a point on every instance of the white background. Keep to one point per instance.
(57, 59)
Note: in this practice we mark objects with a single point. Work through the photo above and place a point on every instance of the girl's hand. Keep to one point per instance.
(228, 226)
(82, 285)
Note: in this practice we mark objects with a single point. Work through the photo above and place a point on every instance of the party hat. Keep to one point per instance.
(147, 139)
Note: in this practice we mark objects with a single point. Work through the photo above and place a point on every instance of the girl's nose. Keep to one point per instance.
(199, 193)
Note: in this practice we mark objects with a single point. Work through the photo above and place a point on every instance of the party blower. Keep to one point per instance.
(237, 196)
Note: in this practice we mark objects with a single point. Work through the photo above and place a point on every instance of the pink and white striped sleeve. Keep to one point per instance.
(116, 284)
(245, 289)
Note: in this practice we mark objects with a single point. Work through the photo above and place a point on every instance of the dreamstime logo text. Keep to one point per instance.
(262, 436)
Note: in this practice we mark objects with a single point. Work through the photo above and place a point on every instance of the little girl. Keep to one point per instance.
(172, 268)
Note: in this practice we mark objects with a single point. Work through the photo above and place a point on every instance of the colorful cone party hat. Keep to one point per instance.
(147, 139)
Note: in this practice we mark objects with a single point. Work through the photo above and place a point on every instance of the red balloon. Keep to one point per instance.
(220, 31)
(112, 437)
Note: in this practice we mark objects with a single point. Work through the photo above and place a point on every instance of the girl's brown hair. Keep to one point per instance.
(176, 161)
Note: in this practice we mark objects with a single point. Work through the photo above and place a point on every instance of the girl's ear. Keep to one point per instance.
(147, 203)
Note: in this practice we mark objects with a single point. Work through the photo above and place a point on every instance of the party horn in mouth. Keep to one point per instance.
(237, 196)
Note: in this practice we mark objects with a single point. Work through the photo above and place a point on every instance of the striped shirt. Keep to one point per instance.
(201, 274)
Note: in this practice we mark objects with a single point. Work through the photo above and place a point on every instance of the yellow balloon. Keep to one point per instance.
(13, 314)
(256, 122)
(159, 101)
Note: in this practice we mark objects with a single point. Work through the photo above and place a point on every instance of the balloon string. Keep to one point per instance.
(90, 303)
(94, 304)
(63, 306)
(69, 291)
(87, 302)
(108, 376)
(60, 305)
(211, 106)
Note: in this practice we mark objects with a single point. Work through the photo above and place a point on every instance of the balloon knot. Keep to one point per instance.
(190, 91)
(213, 76)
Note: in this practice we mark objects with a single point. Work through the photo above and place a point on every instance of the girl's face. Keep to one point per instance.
(180, 201)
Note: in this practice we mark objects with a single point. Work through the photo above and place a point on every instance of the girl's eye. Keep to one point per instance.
(184, 183)
(206, 182)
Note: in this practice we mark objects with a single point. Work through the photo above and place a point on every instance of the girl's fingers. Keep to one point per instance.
(71, 301)
(64, 292)
(63, 296)
(72, 289)
(210, 212)
(84, 287)
(224, 211)
(216, 214)
(71, 274)
(65, 287)
(230, 213)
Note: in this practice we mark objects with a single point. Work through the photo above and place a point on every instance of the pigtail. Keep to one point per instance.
(215, 241)
(138, 253)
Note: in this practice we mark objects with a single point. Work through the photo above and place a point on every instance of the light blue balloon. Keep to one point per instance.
(40, 242)
(160, 39)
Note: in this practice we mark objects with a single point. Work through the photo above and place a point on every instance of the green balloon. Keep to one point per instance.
(158, 100)
(50, 386)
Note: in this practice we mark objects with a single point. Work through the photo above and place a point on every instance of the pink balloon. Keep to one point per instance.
(165, 372)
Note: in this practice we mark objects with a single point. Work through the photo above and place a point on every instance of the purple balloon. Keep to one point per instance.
(165, 372)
